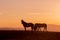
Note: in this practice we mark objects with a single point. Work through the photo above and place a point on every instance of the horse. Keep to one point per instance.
(39, 25)
(27, 25)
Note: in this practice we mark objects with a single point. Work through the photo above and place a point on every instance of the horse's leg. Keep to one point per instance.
(45, 29)
(39, 29)
(32, 29)
(25, 28)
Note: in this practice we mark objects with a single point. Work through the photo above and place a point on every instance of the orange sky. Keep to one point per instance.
(36, 11)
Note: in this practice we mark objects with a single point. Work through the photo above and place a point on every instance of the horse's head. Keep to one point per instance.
(22, 21)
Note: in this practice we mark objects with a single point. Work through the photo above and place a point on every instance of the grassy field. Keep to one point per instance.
(28, 35)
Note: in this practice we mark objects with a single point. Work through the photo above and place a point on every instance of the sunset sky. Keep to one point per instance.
(35, 11)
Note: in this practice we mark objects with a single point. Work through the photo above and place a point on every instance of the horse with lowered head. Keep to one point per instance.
(39, 25)
(27, 25)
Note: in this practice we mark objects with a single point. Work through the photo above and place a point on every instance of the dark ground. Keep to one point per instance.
(28, 35)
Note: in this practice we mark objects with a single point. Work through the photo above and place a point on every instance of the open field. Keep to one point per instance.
(28, 35)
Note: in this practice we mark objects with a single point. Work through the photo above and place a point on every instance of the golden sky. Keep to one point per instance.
(35, 11)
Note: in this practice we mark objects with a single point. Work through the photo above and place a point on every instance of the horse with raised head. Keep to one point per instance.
(27, 25)
(39, 25)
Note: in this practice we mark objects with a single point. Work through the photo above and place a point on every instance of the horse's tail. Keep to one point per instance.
(46, 27)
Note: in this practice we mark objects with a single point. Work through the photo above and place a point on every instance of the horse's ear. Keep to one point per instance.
(21, 20)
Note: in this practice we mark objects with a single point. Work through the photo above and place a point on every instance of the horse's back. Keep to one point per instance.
(41, 24)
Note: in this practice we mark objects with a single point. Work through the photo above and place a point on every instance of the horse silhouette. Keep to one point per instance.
(39, 25)
(25, 24)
